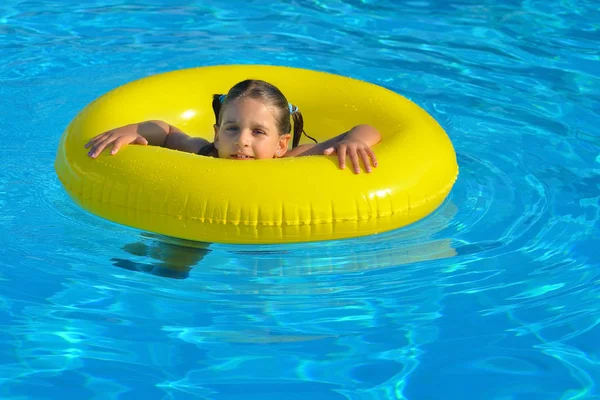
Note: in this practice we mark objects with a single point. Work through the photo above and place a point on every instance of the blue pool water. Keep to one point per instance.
(495, 296)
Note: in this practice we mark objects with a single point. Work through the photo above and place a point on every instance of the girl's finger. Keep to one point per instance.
(92, 142)
(341, 152)
(97, 138)
(140, 140)
(354, 160)
(117, 144)
(372, 156)
(99, 147)
(365, 159)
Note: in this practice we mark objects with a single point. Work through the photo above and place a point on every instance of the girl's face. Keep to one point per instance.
(249, 131)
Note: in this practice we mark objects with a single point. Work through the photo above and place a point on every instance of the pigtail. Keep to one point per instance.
(299, 128)
(210, 150)
(216, 105)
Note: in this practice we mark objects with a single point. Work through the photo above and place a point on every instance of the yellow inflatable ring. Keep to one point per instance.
(265, 201)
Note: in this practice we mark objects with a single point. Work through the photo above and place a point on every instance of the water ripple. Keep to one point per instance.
(500, 282)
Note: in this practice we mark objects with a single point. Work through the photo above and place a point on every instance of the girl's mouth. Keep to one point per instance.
(241, 157)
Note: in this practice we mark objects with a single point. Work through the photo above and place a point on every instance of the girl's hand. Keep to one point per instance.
(117, 138)
(356, 150)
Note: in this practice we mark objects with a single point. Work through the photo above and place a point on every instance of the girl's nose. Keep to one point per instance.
(243, 139)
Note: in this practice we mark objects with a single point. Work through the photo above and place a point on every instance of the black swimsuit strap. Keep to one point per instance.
(209, 150)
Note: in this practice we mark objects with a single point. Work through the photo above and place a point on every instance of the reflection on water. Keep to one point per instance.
(175, 258)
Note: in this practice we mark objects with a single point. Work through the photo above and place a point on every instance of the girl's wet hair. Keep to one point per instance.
(271, 95)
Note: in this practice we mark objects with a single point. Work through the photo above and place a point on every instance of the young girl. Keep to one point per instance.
(252, 122)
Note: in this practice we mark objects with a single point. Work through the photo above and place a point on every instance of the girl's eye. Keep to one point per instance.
(259, 132)
(231, 128)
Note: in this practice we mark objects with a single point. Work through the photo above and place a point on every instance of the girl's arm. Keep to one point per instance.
(153, 133)
(355, 144)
